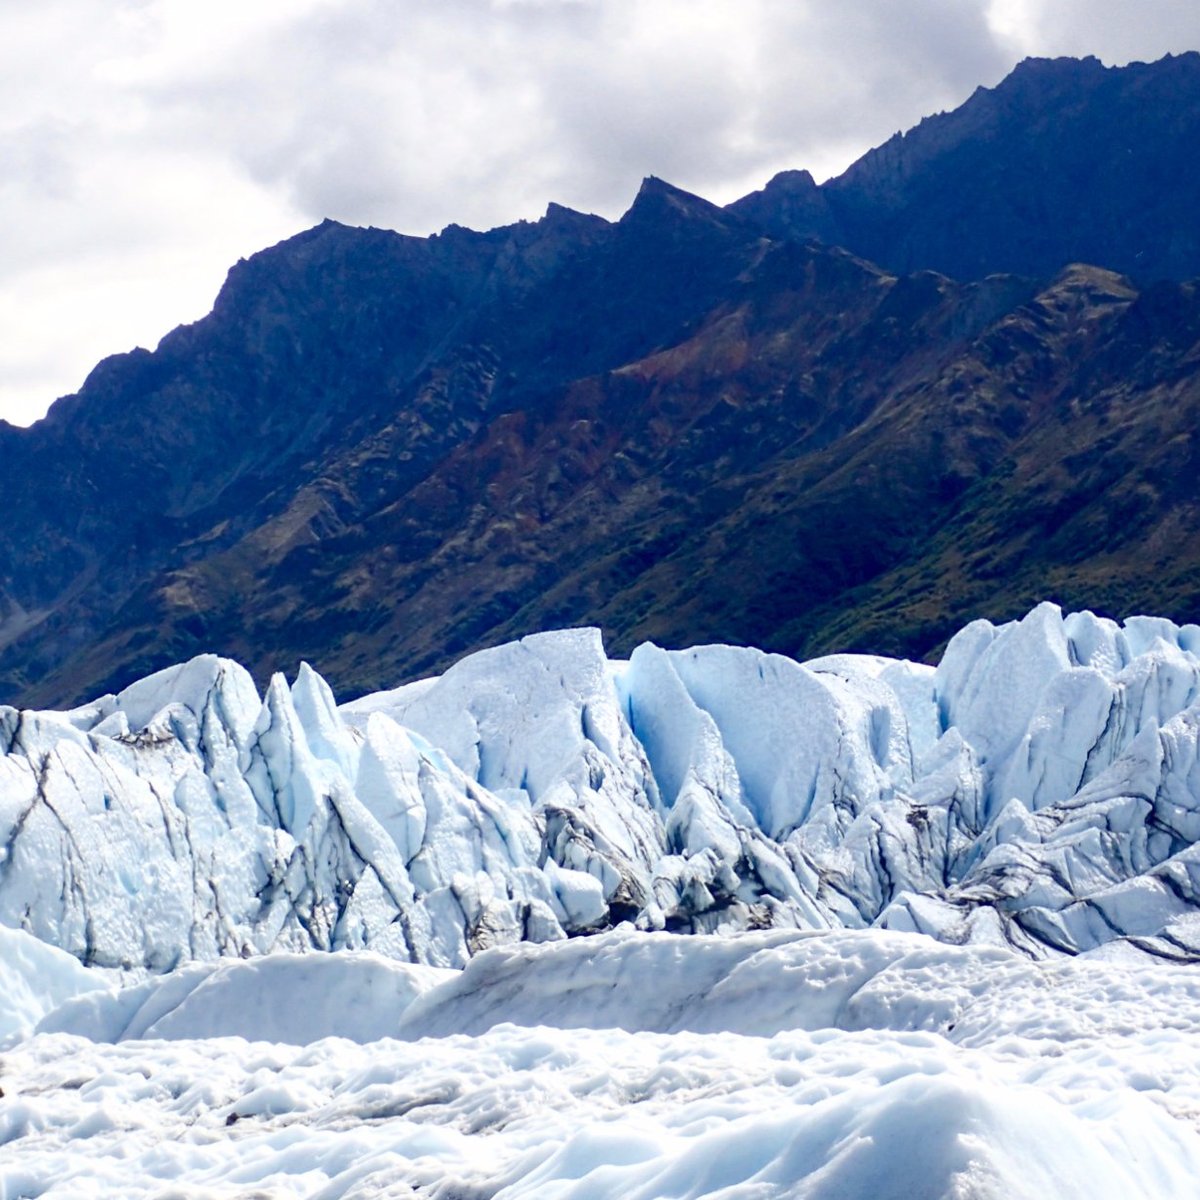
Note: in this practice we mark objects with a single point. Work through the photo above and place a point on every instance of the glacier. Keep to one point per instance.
(1038, 789)
(699, 923)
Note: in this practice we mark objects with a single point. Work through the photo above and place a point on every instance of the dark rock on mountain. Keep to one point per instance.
(379, 452)
(792, 205)
(1064, 161)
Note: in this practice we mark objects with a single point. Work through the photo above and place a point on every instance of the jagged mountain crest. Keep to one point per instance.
(1064, 160)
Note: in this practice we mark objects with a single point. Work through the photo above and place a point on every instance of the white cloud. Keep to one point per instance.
(149, 143)
(1116, 31)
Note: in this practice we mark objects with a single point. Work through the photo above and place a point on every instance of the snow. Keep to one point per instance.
(775, 1064)
(36, 978)
(294, 998)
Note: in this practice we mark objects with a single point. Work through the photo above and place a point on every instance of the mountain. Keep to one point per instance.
(692, 424)
(1036, 790)
(1066, 160)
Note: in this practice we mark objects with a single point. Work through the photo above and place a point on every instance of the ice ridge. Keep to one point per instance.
(1039, 788)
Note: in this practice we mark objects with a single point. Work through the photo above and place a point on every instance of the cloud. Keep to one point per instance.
(1116, 31)
(155, 141)
(414, 115)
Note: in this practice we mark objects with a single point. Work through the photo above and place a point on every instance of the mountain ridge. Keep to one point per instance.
(1063, 160)
(380, 452)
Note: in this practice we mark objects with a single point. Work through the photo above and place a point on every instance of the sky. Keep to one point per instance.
(146, 145)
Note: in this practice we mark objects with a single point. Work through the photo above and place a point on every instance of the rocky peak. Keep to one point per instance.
(658, 201)
(1064, 160)
(791, 205)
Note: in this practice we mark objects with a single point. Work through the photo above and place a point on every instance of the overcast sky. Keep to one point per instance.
(146, 145)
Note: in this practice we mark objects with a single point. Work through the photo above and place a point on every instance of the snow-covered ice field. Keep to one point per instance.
(633, 1066)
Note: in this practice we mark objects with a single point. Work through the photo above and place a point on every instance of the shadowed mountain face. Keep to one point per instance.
(1065, 161)
(379, 452)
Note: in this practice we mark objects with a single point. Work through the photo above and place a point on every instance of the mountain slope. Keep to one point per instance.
(1064, 161)
(830, 432)
(337, 341)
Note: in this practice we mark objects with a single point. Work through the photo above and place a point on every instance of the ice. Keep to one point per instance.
(578, 897)
(204, 686)
(757, 1067)
(36, 978)
(759, 984)
(803, 744)
(1037, 789)
(515, 717)
(293, 998)
(388, 783)
(681, 740)
(538, 724)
